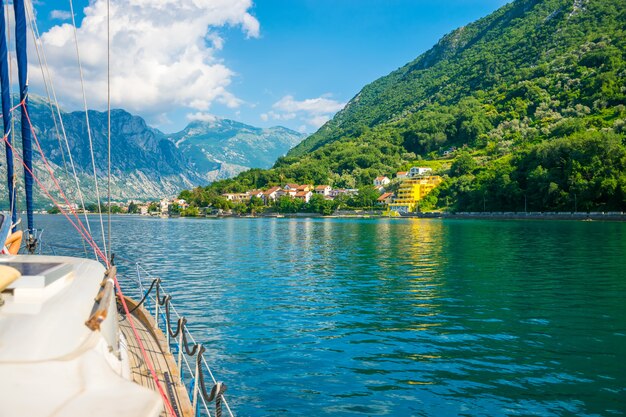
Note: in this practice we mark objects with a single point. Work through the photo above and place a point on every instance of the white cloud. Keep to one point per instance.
(60, 15)
(203, 117)
(313, 111)
(163, 54)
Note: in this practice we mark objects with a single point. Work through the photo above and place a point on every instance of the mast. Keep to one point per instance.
(6, 114)
(22, 65)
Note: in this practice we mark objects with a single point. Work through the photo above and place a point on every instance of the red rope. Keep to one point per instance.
(87, 237)
(92, 243)
(166, 400)
(58, 186)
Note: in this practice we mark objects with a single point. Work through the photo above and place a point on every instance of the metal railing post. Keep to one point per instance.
(156, 309)
(195, 387)
(180, 354)
(167, 327)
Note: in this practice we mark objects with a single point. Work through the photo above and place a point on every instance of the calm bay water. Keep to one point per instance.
(363, 317)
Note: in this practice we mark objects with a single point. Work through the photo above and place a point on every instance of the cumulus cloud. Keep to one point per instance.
(203, 117)
(164, 54)
(313, 111)
(60, 15)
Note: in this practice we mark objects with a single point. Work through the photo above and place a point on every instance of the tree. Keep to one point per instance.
(463, 164)
(366, 197)
(133, 208)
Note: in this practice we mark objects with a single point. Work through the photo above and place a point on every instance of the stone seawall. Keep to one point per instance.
(612, 215)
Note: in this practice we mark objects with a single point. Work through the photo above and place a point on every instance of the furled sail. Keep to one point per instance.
(6, 113)
(22, 64)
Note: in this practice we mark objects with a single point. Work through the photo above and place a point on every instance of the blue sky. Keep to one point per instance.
(268, 62)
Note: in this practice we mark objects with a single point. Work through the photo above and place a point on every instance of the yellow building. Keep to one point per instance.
(411, 191)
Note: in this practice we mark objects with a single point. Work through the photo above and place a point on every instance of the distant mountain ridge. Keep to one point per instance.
(226, 145)
(145, 162)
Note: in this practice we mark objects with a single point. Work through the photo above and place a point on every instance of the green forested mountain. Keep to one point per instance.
(531, 99)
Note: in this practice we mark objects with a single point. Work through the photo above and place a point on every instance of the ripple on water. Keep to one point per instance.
(405, 317)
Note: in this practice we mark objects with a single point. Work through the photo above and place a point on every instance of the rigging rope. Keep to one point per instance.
(43, 64)
(93, 159)
(50, 171)
(45, 190)
(109, 118)
(104, 258)
(67, 144)
(14, 179)
(86, 234)
(166, 399)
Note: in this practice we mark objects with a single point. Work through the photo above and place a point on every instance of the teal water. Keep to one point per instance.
(363, 317)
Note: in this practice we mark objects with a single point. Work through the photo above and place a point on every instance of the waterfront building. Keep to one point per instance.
(411, 191)
(305, 188)
(256, 193)
(385, 198)
(271, 194)
(304, 195)
(323, 190)
(236, 197)
(382, 180)
(418, 171)
(164, 205)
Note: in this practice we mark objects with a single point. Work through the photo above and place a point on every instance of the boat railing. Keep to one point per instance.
(157, 299)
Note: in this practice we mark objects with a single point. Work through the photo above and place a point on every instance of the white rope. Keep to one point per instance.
(64, 134)
(109, 119)
(39, 49)
(93, 159)
(14, 179)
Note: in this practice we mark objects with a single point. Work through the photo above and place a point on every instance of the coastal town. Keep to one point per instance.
(397, 195)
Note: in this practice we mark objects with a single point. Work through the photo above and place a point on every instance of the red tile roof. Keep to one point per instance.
(384, 196)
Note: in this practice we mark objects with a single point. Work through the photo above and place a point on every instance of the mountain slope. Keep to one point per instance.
(524, 92)
(522, 41)
(145, 163)
(223, 146)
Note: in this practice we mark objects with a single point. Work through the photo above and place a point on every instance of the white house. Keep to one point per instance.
(323, 190)
(402, 175)
(381, 181)
(164, 205)
(304, 195)
(418, 171)
(271, 194)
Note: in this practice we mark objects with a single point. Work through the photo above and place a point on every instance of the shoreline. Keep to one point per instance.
(577, 216)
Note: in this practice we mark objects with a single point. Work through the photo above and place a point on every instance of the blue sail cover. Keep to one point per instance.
(22, 65)
(6, 111)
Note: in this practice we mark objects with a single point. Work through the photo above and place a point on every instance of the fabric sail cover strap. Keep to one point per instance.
(22, 64)
(6, 113)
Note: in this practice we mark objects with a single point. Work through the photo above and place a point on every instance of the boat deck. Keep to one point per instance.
(155, 345)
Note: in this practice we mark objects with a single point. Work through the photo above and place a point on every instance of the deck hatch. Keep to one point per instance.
(38, 274)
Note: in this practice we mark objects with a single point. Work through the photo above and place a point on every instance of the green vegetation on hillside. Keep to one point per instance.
(534, 95)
